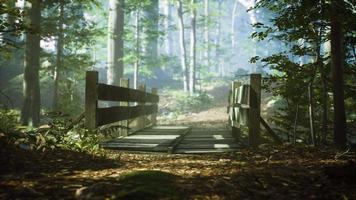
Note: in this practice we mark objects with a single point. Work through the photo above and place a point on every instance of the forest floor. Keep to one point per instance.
(269, 172)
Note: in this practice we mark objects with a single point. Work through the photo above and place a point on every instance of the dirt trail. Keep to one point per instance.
(268, 173)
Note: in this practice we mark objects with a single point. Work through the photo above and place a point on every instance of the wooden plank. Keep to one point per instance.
(91, 99)
(176, 142)
(115, 93)
(203, 151)
(255, 110)
(208, 146)
(154, 115)
(119, 113)
(270, 131)
(125, 83)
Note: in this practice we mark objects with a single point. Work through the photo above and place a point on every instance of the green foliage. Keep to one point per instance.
(185, 103)
(8, 120)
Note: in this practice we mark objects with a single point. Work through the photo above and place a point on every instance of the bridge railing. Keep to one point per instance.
(245, 108)
(146, 103)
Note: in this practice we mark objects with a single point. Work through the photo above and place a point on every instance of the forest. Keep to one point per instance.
(177, 99)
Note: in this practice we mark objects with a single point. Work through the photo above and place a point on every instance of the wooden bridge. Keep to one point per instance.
(139, 107)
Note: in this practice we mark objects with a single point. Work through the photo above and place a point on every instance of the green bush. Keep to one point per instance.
(192, 103)
(9, 119)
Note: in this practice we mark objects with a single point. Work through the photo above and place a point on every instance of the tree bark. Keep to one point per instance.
(30, 113)
(311, 113)
(337, 61)
(151, 14)
(59, 56)
(137, 61)
(206, 34)
(167, 27)
(183, 57)
(115, 42)
(192, 48)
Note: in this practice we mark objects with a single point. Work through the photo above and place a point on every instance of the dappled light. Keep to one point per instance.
(177, 99)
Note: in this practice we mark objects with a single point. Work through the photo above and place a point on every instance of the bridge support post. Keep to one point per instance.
(254, 120)
(91, 99)
(154, 115)
(141, 120)
(125, 123)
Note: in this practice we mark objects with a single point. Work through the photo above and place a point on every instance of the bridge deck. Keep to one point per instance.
(176, 139)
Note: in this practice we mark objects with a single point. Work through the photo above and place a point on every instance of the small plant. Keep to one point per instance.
(9, 119)
(193, 103)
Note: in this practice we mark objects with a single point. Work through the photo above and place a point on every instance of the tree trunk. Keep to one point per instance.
(59, 56)
(337, 61)
(233, 23)
(115, 42)
(151, 14)
(30, 113)
(137, 61)
(183, 57)
(219, 66)
(206, 34)
(192, 48)
(295, 124)
(311, 113)
(167, 27)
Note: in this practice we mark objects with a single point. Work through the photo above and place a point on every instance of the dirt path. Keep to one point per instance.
(268, 173)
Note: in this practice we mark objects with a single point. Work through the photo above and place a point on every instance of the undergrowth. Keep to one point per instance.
(59, 133)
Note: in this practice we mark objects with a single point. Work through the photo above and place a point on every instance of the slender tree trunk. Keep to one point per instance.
(219, 65)
(206, 34)
(311, 113)
(183, 57)
(233, 24)
(30, 113)
(137, 62)
(167, 27)
(337, 61)
(115, 42)
(295, 124)
(192, 48)
(59, 56)
(151, 13)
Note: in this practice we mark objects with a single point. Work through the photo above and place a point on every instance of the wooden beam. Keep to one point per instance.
(125, 83)
(233, 99)
(119, 113)
(91, 99)
(124, 94)
(255, 110)
(270, 131)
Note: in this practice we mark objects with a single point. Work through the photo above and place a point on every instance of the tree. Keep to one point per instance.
(183, 57)
(337, 57)
(206, 33)
(115, 42)
(59, 59)
(192, 65)
(151, 17)
(30, 113)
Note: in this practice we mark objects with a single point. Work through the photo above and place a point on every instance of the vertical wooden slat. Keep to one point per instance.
(234, 124)
(91, 99)
(255, 110)
(141, 119)
(125, 123)
(154, 115)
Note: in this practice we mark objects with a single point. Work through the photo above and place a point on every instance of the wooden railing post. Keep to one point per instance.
(254, 110)
(141, 120)
(91, 99)
(125, 123)
(154, 115)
